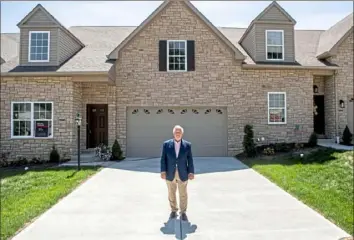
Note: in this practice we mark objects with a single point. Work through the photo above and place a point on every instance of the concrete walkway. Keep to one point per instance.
(128, 201)
(330, 143)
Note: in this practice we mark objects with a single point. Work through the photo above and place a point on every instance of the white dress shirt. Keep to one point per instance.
(177, 147)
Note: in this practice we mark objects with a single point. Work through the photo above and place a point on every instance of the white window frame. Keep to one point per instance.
(32, 120)
(266, 49)
(29, 46)
(168, 56)
(285, 107)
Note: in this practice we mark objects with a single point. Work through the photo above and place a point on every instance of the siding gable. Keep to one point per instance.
(38, 18)
(274, 14)
(67, 46)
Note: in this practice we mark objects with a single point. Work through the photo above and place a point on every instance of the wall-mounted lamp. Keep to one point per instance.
(315, 89)
(341, 103)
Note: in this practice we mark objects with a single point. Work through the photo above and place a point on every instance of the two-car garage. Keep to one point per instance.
(149, 127)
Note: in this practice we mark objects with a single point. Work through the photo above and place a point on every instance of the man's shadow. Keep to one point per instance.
(178, 227)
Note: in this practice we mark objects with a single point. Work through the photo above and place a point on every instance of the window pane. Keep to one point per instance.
(44, 56)
(176, 52)
(276, 115)
(171, 60)
(182, 45)
(182, 60)
(45, 36)
(277, 100)
(176, 44)
(171, 67)
(16, 107)
(182, 52)
(36, 115)
(48, 115)
(45, 43)
(170, 45)
(42, 107)
(16, 128)
(177, 67)
(48, 107)
(274, 38)
(24, 128)
(182, 67)
(33, 36)
(41, 128)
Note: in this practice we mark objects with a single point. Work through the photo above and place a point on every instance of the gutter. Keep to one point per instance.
(266, 66)
(66, 74)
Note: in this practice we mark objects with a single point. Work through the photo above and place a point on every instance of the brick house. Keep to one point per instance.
(134, 84)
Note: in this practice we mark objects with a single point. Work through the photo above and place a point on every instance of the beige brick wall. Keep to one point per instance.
(217, 81)
(99, 93)
(344, 79)
(56, 89)
(319, 82)
(329, 99)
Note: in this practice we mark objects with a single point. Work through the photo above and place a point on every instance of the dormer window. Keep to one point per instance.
(39, 46)
(275, 45)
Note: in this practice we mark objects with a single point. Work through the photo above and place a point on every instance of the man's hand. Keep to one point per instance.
(163, 175)
(191, 176)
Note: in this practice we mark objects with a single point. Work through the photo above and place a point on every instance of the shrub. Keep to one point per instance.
(312, 140)
(4, 159)
(249, 146)
(269, 151)
(347, 136)
(54, 156)
(117, 153)
(282, 147)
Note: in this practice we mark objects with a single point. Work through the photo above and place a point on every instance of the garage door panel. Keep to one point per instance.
(149, 127)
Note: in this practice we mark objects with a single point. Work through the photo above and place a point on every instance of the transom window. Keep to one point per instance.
(275, 44)
(176, 55)
(32, 119)
(276, 107)
(39, 46)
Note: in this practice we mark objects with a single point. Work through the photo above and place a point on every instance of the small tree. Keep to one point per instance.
(54, 155)
(249, 146)
(313, 140)
(117, 153)
(347, 136)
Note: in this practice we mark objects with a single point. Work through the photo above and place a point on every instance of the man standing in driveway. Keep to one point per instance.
(176, 168)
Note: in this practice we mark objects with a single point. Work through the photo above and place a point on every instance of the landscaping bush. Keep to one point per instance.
(249, 146)
(269, 151)
(117, 153)
(347, 136)
(54, 156)
(312, 140)
(283, 147)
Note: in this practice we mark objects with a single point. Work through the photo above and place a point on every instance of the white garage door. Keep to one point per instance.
(148, 128)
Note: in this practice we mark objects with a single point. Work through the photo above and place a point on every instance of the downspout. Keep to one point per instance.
(335, 104)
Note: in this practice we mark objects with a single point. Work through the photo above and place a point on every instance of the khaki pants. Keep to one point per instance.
(182, 190)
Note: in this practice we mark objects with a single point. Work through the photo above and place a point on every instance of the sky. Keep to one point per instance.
(308, 14)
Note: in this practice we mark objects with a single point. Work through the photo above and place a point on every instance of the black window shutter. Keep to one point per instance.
(163, 55)
(190, 56)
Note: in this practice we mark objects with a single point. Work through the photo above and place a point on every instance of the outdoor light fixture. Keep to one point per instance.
(315, 89)
(341, 103)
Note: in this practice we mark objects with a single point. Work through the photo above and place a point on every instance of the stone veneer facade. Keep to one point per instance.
(217, 81)
(344, 79)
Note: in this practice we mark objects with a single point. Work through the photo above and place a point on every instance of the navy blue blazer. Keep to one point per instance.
(184, 162)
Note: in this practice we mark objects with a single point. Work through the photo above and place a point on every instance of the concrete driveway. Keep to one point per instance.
(128, 201)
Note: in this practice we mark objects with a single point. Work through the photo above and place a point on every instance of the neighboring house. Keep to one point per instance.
(134, 84)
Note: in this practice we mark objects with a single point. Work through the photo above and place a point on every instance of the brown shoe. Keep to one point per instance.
(173, 215)
(184, 217)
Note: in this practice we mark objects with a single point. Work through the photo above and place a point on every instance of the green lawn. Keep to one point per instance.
(322, 179)
(27, 194)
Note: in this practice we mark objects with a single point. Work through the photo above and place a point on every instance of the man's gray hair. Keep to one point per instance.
(177, 127)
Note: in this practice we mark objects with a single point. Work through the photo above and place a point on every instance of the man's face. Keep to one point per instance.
(178, 134)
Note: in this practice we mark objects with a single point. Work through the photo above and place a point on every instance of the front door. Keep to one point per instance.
(318, 117)
(97, 125)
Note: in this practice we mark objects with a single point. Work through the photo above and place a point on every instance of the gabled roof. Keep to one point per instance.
(334, 36)
(114, 53)
(274, 4)
(1, 60)
(39, 7)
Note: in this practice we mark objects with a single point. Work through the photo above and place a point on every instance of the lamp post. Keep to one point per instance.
(78, 123)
